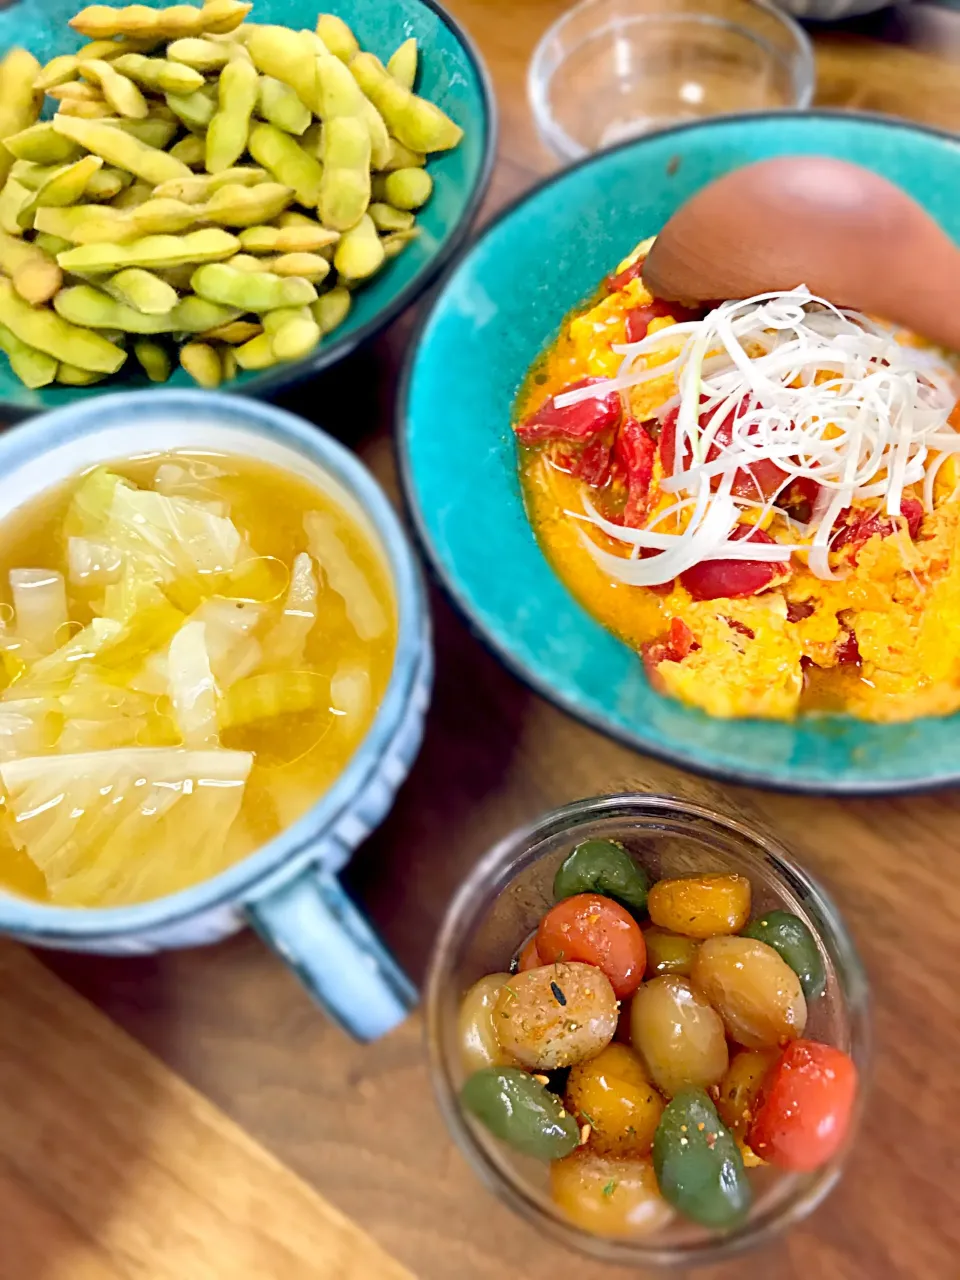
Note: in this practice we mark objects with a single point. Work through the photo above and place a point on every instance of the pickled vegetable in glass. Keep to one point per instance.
(192, 648)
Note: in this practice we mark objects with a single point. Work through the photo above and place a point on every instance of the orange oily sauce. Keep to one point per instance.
(296, 756)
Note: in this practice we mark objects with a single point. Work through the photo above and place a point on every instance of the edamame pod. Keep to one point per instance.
(251, 291)
(256, 354)
(236, 332)
(154, 359)
(402, 63)
(82, 304)
(191, 151)
(402, 157)
(100, 224)
(35, 274)
(19, 100)
(360, 252)
(217, 17)
(418, 124)
(209, 245)
(300, 237)
(293, 332)
(161, 74)
(198, 53)
(230, 127)
(70, 376)
(33, 368)
(242, 206)
(62, 188)
(404, 188)
(202, 363)
(331, 308)
(387, 218)
(46, 331)
(13, 197)
(196, 110)
(142, 290)
(41, 144)
(309, 266)
(122, 149)
(200, 187)
(286, 56)
(345, 184)
(281, 106)
(397, 241)
(119, 91)
(338, 37)
(287, 161)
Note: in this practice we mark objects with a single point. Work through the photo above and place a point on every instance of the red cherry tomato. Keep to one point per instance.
(595, 930)
(805, 1106)
(577, 422)
(529, 957)
(638, 320)
(635, 451)
(620, 279)
(674, 647)
(720, 579)
(857, 527)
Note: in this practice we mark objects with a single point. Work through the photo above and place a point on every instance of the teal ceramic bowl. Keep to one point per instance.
(451, 75)
(497, 309)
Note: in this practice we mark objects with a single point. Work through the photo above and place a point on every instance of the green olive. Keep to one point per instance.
(698, 1163)
(605, 867)
(521, 1111)
(795, 944)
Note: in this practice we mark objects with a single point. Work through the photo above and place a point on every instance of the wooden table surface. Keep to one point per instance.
(201, 1158)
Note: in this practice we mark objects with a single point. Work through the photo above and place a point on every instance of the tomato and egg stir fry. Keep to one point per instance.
(762, 499)
(654, 1066)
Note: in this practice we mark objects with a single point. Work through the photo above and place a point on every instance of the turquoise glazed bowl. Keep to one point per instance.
(496, 311)
(451, 74)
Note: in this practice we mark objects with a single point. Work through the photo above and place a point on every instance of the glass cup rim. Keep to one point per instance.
(542, 68)
(491, 874)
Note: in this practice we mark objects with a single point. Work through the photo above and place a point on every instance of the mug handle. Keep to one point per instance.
(316, 929)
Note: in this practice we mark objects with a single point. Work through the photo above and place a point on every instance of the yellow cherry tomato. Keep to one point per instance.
(609, 1196)
(701, 906)
(613, 1095)
(740, 1087)
(479, 1043)
(756, 993)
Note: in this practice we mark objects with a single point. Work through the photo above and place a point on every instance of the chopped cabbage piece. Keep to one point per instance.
(173, 537)
(27, 726)
(274, 693)
(89, 509)
(93, 564)
(346, 578)
(58, 668)
(350, 694)
(111, 827)
(40, 601)
(193, 690)
(232, 650)
(287, 640)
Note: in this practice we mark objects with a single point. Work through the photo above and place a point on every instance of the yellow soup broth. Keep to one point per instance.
(298, 636)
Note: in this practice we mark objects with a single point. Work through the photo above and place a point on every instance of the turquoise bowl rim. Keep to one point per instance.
(325, 356)
(30, 439)
(452, 588)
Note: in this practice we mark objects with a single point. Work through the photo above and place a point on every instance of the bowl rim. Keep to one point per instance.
(457, 596)
(240, 882)
(540, 73)
(281, 377)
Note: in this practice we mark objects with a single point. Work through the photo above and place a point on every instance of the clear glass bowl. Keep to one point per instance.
(612, 69)
(499, 905)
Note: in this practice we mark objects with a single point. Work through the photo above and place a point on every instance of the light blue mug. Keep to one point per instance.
(288, 889)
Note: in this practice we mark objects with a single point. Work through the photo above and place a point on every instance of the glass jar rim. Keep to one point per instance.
(490, 876)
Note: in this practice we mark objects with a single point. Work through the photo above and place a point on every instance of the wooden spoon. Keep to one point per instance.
(849, 235)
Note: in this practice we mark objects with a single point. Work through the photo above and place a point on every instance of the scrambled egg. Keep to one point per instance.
(779, 652)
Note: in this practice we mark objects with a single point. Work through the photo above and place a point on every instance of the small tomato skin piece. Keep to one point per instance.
(598, 931)
(805, 1107)
(576, 422)
(638, 319)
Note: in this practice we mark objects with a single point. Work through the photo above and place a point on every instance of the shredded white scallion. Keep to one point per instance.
(825, 394)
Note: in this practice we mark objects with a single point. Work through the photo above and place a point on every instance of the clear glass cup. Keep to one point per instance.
(498, 906)
(613, 69)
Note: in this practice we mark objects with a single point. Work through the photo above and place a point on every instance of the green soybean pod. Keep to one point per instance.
(33, 368)
(289, 163)
(345, 185)
(281, 106)
(202, 363)
(402, 63)
(230, 127)
(331, 308)
(698, 1163)
(154, 359)
(795, 944)
(520, 1111)
(404, 188)
(360, 251)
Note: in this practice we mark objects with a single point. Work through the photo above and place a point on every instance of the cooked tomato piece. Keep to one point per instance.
(805, 1106)
(595, 930)
(719, 579)
(857, 527)
(635, 451)
(760, 481)
(848, 651)
(797, 610)
(638, 320)
(673, 647)
(595, 463)
(577, 422)
(620, 279)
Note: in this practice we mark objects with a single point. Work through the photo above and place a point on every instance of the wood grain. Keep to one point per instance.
(359, 1123)
(111, 1168)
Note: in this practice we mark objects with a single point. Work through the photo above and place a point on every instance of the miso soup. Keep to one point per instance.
(192, 648)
